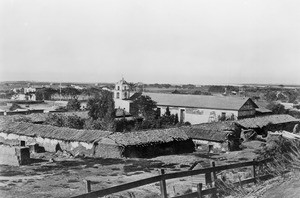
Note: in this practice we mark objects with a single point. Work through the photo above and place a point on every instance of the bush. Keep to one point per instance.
(59, 120)
(73, 105)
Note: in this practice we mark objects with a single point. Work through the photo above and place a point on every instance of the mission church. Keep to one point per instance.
(195, 109)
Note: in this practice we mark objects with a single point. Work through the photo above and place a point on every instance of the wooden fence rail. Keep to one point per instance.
(163, 177)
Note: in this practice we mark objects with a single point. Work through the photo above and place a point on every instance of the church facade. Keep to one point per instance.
(122, 95)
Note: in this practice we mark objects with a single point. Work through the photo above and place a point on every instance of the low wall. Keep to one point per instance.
(14, 156)
(214, 146)
(105, 148)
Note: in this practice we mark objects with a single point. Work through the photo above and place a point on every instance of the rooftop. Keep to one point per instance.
(214, 131)
(68, 134)
(199, 101)
(261, 121)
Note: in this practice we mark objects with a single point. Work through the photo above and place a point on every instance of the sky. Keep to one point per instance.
(151, 41)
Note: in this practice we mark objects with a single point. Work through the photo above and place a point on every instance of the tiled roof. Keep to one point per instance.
(198, 101)
(263, 110)
(68, 134)
(214, 131)
(259, 122)
(149, 136)
(52, 132)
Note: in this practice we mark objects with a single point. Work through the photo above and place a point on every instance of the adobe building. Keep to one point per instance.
(195, 109)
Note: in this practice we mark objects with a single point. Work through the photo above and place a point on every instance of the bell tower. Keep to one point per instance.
(121, 90)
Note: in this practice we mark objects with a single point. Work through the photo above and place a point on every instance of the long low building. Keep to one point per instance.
(97, 143)
(274, 122)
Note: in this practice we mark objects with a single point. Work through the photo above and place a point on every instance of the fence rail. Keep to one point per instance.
(163, 177)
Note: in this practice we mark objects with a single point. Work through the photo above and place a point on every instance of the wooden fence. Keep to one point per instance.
(163, 177)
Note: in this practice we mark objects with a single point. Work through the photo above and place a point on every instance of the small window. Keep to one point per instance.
(118, 95)
(118, 87)
(125, 94)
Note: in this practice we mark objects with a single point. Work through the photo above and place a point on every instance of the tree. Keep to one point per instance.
(70, 92)
(45, 93)
(72, 121)
(91, 91)
(168, 113)
(271, 96)
(144, 107)
(73, 105)
(132, 86)
(55, 120)
(101, 106)
(277, 108)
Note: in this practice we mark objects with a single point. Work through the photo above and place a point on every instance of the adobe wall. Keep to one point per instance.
(122, 104)
(198, 115)
(14, 156)
(50, 145)
(216, 146)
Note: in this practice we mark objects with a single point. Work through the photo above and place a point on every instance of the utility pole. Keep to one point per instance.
(60, 91)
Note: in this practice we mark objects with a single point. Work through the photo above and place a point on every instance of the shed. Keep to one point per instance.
(152, 143)
(269, 123)
(214, 136)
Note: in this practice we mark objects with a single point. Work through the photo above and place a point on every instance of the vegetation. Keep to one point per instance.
(73, 105)
(144, 107)
(101, 106)
(277, 108)
(45, 93)
(72, 121)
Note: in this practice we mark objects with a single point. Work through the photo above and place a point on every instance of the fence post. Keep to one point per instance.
(163, 186)
(214, 172)
(199, 190)
(208, 179)
(253, 171)
(88, 185)
(214, 176)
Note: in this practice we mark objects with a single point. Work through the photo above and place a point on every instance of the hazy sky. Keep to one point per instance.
(186, 41)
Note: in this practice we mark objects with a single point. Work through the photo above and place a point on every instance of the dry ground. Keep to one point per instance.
(64, 177)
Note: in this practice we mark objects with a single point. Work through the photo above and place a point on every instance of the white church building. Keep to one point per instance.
(195, 109)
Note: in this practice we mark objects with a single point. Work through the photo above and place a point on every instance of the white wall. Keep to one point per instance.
(122, 104)
(203, 145)
(197, 116)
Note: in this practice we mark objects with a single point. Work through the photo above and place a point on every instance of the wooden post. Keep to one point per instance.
(208, 180)
(88, 185)
(163, 186)
(214, 172)
(254, 172)
(199, 190)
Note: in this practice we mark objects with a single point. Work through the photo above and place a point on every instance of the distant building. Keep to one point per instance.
(202, 109)
(195, 109)
(28, 94)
